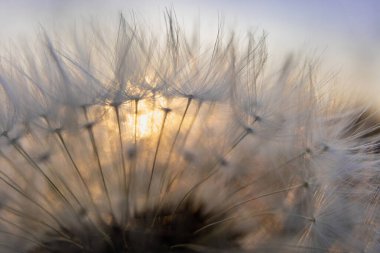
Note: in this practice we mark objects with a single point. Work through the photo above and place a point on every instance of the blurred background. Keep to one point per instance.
(343, 34)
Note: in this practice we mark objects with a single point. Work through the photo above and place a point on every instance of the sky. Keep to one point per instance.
(345, 34)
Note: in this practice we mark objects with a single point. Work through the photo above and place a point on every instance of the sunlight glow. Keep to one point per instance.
(149, 118)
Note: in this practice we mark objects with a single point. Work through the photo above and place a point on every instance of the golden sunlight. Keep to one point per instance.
(149, 118)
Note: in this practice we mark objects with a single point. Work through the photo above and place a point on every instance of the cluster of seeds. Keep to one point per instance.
(131, 142)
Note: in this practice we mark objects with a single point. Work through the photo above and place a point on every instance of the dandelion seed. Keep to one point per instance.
(156, 144)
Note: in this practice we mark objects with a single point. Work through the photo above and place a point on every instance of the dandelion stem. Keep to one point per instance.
(34, 219)
(89, 128)
(260, 196)
(32, 201)
(184, 143)
(166, 111)
(30, 239)
(124, 176)
(168, 160)
(23, 153)
(35, 239)
(133, 163)
(58, 133)
(135, 121)
(212, 173)
(192, 123)
(22, 175)
(231, 219)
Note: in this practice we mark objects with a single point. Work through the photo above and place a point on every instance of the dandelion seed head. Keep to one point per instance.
(134, 143)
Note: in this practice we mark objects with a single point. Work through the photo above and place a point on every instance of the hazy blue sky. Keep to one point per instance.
(345, 32)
